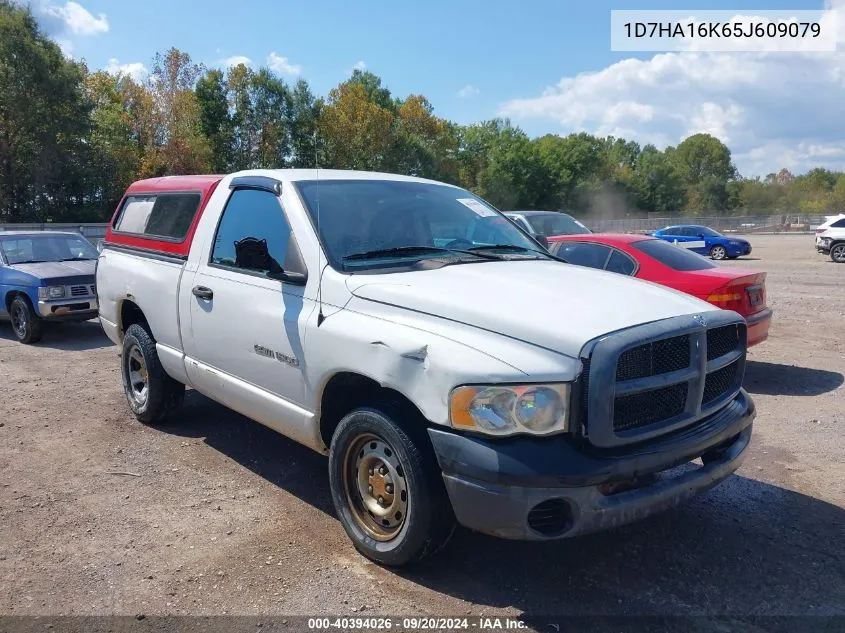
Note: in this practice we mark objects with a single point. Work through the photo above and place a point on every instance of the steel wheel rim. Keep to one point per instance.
(19, 320)
(137, 376)
(838, 253)
(375, 486)
(719, 252)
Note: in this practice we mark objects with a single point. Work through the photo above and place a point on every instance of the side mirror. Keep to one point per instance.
(542, 240)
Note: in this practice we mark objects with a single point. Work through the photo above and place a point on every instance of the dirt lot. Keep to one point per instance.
(229, 517)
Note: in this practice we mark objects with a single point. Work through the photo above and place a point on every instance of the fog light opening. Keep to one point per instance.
(552, 517)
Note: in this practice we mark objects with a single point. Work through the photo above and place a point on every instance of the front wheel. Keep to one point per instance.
(151, 393)
(718, 252)
(837, 253)
(27, 325)
(387, 490)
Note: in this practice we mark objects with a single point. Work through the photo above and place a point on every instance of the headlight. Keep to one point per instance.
(510, 409)
(51, 292)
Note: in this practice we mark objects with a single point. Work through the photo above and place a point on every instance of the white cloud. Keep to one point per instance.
(772, 109)
(235, 60)
(281, 65)
(358, 66)
(66, 47)
(136, 70)
(468, 91)
(77, 19)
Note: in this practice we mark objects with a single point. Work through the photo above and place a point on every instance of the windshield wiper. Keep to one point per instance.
(412, 250)
(77, 259)
(31, 261)
(507, 247)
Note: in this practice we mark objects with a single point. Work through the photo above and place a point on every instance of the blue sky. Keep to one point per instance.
(547, 64)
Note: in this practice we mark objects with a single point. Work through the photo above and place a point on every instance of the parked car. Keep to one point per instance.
(483, 382)
(547, 223)
(830, 238)
(651, 259)
(45, 276)
(705, 241)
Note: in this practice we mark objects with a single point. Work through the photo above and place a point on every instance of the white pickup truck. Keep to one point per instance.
(452, 370)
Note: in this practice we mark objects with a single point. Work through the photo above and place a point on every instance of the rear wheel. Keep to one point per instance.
(718, 252)
(27, 325)
(387, 490)
(837, 253)
(151, 393)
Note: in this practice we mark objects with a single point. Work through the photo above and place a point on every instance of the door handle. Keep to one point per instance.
(203, 293)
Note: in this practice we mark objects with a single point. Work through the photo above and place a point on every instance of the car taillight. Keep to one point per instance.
(727, 298)
(745, 295)
(820, 231)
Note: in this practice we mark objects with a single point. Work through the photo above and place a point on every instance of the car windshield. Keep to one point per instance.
(23, 249)
(367, 224)
(550, 224)
(675, 257)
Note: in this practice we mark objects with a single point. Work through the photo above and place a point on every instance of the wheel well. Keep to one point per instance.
(131, 314)
(10, 296)
(347, 391)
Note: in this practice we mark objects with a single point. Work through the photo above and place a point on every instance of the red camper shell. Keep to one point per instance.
(160, 215)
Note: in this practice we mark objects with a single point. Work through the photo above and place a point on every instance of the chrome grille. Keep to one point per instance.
(82, 291)
(642, 382)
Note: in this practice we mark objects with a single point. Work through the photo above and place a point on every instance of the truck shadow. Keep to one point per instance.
(746, 547)
(72, 337)
(774, 379)
(741, 549)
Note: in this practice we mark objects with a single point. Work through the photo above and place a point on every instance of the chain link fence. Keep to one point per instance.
(723, 224)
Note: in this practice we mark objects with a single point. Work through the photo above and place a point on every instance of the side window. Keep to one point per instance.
(620, 263)
(584, 254)
(253, 233)
(672, 230)
(164, 215)
(839, 224)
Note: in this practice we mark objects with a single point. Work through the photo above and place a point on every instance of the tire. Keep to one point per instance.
(718, 252)
(415, 520)
(837, 253)
(151, 393)
(26, 324)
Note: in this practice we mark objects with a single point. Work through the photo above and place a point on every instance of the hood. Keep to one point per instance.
(554, 305)
(56, 273)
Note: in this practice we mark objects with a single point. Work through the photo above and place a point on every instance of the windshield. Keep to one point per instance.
(22, 249)
(550, 224)
(386, 223)
(675, 257)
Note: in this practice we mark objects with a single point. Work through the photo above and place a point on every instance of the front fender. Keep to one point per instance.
(421, 365)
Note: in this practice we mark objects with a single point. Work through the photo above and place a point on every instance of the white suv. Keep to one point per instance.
(830, 238)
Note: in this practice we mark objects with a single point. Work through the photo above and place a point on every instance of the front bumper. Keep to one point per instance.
(69, 309)
(545, 488)
(738, 250)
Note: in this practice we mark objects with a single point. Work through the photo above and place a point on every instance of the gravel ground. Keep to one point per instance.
(101, 515)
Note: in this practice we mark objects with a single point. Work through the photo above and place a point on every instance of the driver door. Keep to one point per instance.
(246, 327)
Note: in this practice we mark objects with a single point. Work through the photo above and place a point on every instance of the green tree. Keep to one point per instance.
(179, 145)
(44, 124)
(215, 123)
(355, 129)
(304, 116)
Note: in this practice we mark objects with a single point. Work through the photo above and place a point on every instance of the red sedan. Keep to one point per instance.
(651, 259)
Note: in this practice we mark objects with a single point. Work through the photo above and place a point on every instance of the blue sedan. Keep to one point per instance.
(45, 277)
(704, 241)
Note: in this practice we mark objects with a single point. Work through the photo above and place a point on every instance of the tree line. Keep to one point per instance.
(72, 140)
